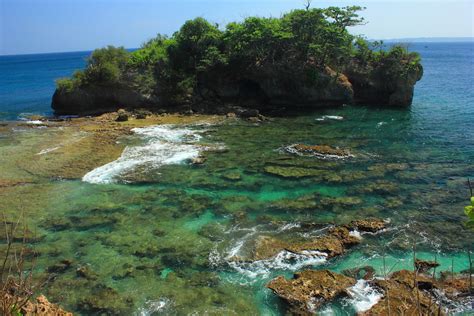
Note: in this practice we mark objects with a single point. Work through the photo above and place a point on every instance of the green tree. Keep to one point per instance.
(106, 65)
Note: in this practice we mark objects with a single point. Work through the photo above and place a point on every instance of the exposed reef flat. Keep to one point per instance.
(69, 148)
(207, 237)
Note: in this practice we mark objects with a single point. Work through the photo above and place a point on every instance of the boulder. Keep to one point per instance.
(310, 289)
(122, 116)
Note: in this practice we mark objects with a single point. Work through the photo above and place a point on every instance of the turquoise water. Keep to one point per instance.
(161, 238)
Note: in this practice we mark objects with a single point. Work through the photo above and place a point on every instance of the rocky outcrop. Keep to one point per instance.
(331, 244)
(401, 293)
(402, 296)
(308, 290)
(92, 100)
(368, 225)
(423, 266)
(383, 87)
(269, 89)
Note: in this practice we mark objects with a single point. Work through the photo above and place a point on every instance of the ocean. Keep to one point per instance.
(157, 235)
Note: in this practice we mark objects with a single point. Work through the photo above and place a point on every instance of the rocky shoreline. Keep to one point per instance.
(401, 293)
(103, 138)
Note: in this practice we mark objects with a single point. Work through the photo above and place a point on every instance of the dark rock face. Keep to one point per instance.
(276, 88)
(268, 90)
(375, 88)
(93, 100)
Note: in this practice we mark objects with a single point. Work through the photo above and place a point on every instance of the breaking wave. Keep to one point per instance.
(154, 307)
(363, 296)
(284, 260)
(330, 117)
(163, 145)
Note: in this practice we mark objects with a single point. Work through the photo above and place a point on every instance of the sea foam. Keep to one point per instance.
(330, 117)
(284, 260)
(154, 307)
(163, 145)
(363, 296)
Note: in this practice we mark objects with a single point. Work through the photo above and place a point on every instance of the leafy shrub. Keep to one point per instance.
(65, 84)
(105, 65)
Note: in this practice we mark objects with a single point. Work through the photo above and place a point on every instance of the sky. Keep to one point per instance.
(41, 26)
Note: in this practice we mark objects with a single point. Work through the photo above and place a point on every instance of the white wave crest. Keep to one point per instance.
(363, 296)
(330, 117)
(35, 122)
(164, 145)
(355, 233)
(152, 307)
(284, 260)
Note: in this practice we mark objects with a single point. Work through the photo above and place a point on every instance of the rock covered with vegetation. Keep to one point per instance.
(305, 58)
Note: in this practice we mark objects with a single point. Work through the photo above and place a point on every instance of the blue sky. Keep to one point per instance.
(37, 26)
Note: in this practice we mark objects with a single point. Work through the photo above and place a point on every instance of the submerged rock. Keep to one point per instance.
(308, 290)
(60, 267)
(232, 176)
(365, 273)
(319, 151)
(105, 300)
(86, 273)
(293, 172)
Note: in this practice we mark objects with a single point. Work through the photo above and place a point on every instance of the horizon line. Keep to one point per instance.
(441, 39)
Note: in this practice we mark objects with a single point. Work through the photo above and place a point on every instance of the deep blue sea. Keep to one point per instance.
(27, 82)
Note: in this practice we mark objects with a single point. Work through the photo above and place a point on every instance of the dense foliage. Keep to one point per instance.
(301, 41)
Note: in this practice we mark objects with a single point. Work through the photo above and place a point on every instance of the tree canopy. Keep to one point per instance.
(299, 40)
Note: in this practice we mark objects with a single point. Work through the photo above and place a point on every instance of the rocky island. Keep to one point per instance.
(192, 190)
(304, 59)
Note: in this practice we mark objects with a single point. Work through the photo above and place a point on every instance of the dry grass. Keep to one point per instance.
(16, 270)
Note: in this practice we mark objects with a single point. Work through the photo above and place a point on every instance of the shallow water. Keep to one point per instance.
(158, 236)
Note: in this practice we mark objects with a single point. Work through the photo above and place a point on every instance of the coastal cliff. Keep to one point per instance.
(306, 58)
